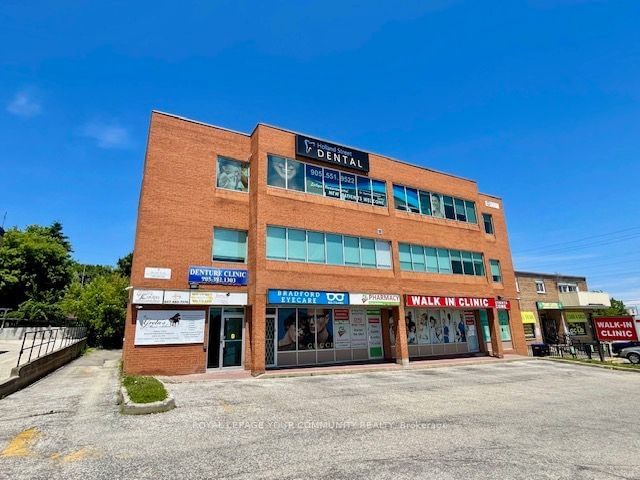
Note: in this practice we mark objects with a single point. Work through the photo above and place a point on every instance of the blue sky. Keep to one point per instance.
(537, 100)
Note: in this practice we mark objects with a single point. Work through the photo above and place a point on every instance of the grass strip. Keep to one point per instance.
(144, 389)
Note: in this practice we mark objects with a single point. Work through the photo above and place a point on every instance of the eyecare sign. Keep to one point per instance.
(332, 153)
(218, 276)
(307, 297)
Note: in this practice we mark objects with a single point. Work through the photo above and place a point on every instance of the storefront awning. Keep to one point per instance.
(528, 317)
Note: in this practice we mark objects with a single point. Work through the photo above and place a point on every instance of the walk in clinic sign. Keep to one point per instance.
(615, 329)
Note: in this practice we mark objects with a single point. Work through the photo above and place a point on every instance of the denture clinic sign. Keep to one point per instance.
(450, 302)
(613, 329)
(218, 276)
(332, 153)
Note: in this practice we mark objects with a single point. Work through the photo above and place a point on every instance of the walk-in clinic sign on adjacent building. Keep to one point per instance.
(615, 329)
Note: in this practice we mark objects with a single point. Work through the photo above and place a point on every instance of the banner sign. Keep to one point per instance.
(575, 316)
(358, 328)
(332, 153)
(218, 298)
(218, 276)
(307, 297)
(147, 297)
(577, 328)
(176, 297)
(549, 305)
(452, 302)
(528, 317)
(503, 305)
(374, 299)
(613, 329)
(161, 327)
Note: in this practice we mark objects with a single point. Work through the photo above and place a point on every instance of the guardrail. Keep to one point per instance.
(39, 343)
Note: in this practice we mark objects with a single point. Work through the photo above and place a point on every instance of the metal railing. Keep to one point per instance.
(39, 343)
(574, 350)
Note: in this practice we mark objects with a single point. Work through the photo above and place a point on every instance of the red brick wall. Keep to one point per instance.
(179, 206)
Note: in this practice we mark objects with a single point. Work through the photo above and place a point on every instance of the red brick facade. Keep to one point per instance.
(180, 205)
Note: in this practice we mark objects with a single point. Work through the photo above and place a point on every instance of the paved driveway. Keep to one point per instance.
(529, 419)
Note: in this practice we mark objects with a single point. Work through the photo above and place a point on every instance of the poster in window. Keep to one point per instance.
(277, 172)
(331, 183)
(320, 323)
(412, 337)
(314, 179)
(348, 187)
(295, 175)
(435, 327)
(423, 327)
(232, 175)
(341, 328)
(379, 191)
(374, 324)
(364, 190)
(437, 206)
(306, 337)
(577, 328)
(287, 329)
(358, 328)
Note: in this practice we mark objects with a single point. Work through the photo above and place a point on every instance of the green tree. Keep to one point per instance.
(84, 272)
(124, 265)
(101, 307)
(35, 269)
(616, 309)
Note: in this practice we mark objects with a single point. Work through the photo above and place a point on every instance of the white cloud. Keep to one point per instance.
(24, 104)
(107, 135)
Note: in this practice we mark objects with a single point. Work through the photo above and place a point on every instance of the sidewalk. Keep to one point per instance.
(342, 369)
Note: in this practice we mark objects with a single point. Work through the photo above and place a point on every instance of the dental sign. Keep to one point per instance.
(332, 153)
(307, 297)
(217, 276)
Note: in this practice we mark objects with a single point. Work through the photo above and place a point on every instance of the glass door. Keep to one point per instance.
(233, 326)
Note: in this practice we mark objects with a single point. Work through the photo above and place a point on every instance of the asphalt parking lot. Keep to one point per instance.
(529, 419)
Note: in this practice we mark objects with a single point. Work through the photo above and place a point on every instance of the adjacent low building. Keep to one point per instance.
(275, 249)
(556, 307)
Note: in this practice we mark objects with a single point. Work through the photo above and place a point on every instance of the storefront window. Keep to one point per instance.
(287, 329)
(529, 330)
(232, 174)
(305, 329)
(505, 331)
(432, 327)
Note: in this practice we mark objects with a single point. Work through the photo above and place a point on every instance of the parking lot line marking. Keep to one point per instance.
(20, 445)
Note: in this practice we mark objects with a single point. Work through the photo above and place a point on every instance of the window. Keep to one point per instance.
(529, 330)
(276, 243)
(433, 204)
(567, 287)
(229, 245)
(307, 246)
(440, 260)
(488, 223)
(449, 210)
(540, 286)
(304, 177)
(496, 275)
(232, 174)
(399, 197)
(297, 245)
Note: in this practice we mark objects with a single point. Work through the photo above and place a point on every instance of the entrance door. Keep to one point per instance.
(226, 327)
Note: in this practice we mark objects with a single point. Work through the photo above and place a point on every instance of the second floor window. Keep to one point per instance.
(229, 245)
(567, 287)
(487, 219)
(232, 175)
(496, 274)
(540, 286)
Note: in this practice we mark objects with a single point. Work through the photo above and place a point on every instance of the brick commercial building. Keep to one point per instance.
(275, 249)
(556, 308)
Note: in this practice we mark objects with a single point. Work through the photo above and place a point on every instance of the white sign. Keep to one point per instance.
(358, 328)
(176, 297)
(489, 204)
(161, 327)
(148, 297)
(157, 273)
(374, 299)
(219, 298)
(342, 334)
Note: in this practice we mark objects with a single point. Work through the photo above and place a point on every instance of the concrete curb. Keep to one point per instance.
(129, 407)
(396, 368)
(606, 366)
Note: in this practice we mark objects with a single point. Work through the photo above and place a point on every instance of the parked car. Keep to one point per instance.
(631, 353)
(617, 346)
